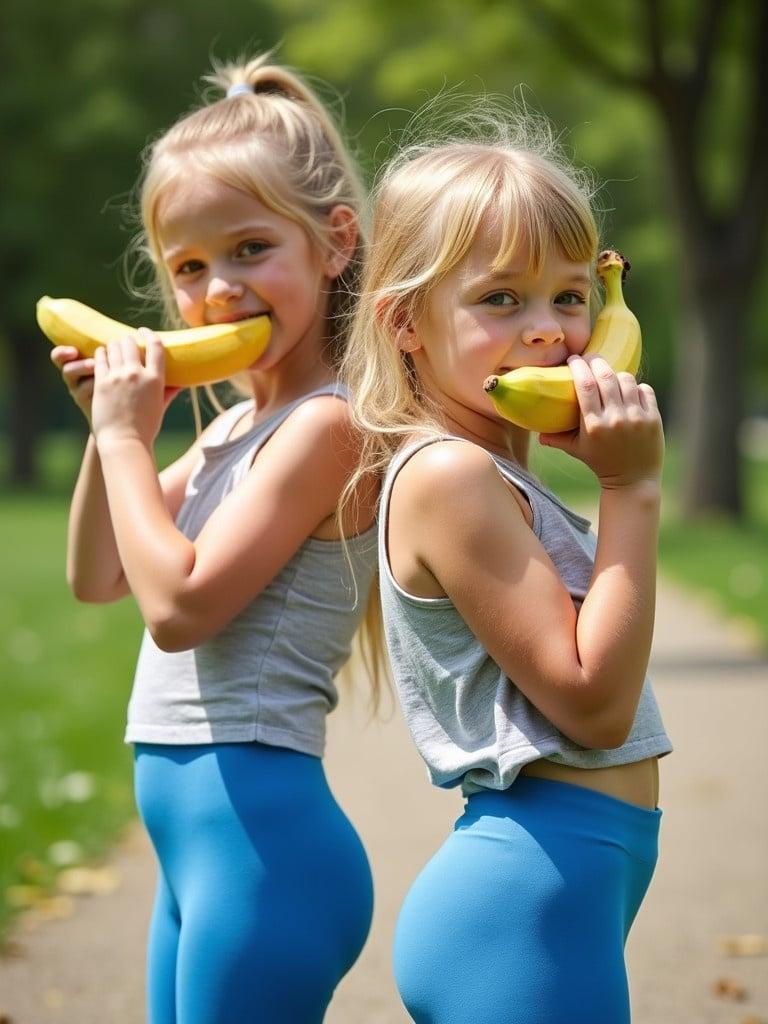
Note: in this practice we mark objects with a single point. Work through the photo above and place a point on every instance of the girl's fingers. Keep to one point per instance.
(100, 362)
(154, 358)
(113, 354)
(647, 397)
(628, 388)
(77, 370)
(587, 391)
(62, 354)
(607, 382)
(129, 350)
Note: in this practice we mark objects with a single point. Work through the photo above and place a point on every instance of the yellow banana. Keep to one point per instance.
(196, 355)
(543, 399)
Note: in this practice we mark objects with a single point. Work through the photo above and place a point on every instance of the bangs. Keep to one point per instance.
(540, 214)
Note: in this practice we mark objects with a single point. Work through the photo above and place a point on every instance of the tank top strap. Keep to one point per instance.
(525, 482)
(279, 417)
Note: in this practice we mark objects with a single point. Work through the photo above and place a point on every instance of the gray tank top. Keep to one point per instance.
(470, 723)
(268, 675)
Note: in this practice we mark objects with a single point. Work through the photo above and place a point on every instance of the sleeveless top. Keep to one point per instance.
(268, 674)
(470, 723)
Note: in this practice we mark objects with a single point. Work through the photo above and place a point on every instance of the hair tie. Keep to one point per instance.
(240, 87)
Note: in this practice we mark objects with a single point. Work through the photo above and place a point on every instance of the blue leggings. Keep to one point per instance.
(522, 915)
(264, 895)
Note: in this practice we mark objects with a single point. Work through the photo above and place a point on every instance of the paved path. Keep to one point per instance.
(711, 883)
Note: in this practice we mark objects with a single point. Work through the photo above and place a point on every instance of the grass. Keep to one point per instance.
(65, 773)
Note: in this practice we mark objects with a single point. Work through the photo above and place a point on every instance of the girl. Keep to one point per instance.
(519, 641)
(249, 586)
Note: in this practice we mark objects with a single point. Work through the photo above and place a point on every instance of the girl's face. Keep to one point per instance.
(230, 257)
(479, 322)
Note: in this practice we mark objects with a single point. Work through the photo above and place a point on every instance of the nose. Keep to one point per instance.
(541, 332)
(222, 290)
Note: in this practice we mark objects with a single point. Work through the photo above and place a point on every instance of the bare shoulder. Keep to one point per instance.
(453, 473)
(322, 420)
(449, 509)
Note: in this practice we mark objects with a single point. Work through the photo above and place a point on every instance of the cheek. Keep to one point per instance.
(187, 305)
(578, 336)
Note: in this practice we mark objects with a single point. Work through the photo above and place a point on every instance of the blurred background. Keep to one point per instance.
(665, 101)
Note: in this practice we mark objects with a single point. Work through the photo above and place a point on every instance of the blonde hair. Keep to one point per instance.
(274, 140)
(430, 204)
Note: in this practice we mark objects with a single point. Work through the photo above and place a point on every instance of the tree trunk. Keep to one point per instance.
(710, 400)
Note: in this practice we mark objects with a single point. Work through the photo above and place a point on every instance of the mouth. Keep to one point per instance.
(233, 318)
(530, 366)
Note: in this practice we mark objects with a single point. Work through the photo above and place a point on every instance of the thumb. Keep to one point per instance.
(564, 441)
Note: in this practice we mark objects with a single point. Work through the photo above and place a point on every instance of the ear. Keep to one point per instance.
(343, 223)
(404, 334)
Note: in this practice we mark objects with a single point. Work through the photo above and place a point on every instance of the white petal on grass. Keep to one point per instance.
(77, 787)
(65, 853)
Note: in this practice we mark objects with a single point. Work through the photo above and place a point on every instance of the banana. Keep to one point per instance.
(543, 399)
(196, 355)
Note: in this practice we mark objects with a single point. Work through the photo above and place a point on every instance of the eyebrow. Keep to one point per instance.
(494, 276)
(249, 228)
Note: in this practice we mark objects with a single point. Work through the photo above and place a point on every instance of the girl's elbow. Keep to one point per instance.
(611, 734)
(600, 730)
(172, 631)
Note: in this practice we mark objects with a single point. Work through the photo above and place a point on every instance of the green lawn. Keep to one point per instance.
(65, 777)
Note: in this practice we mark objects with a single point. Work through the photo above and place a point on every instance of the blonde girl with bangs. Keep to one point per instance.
(250, 585)
(518, 640)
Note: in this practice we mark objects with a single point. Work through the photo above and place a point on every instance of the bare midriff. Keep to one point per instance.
(636, 783)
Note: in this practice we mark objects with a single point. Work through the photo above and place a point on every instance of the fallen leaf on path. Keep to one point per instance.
(744, 945)
(55, 908)
(88, 881)
(729, 988)
(53, 998)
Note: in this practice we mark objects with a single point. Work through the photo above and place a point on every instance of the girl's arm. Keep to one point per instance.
(583, 671)
(94, 570)
(188, 591)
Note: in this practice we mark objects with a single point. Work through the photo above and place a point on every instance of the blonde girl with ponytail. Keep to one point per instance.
(250, 585)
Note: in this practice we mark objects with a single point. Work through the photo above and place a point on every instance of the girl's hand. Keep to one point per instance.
(77, 374)
(129, 396)
(620, 436)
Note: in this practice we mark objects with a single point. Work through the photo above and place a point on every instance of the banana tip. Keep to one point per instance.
(490, 382)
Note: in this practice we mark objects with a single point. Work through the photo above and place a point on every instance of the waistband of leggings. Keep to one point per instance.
(550, 804)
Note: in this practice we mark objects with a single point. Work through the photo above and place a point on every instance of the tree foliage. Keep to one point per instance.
(89, 82)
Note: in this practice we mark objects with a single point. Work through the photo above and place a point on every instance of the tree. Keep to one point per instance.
(85, 85)
(698, 67)
(723, 239)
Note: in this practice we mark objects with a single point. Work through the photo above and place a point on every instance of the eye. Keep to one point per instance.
(570, 299)
(499, 299)
(189, 267)
(252, 248)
